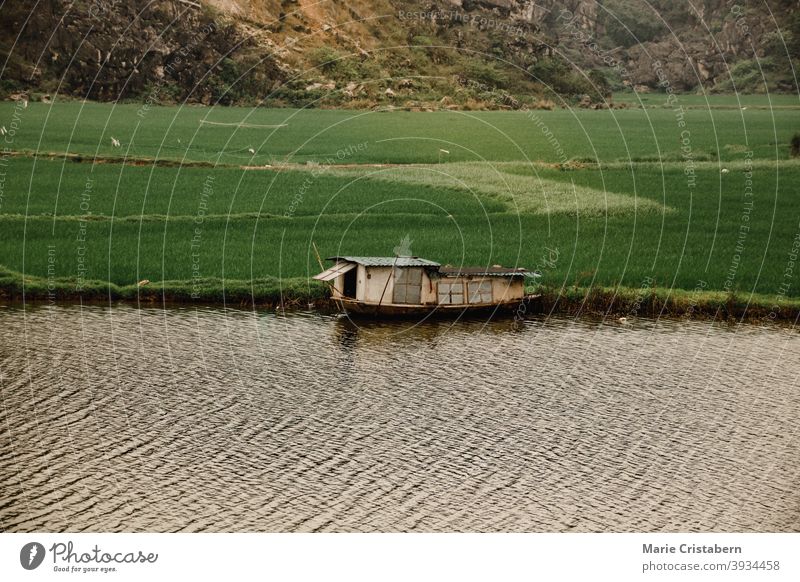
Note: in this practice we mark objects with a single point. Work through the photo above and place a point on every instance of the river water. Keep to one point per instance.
(124, 419)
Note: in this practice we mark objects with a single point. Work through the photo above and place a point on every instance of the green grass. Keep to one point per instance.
(175, 133)
(695, 240)
(53, 187)
(520, 187)
(631, 222)
(710, 100)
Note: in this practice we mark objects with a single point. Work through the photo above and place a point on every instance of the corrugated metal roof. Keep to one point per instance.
(484, 271)
(387, 261)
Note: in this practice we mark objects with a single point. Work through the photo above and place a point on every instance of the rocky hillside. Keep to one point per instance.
(361, 53)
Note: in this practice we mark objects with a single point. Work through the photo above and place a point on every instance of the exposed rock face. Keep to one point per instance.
(113, 49)
(242, 50)
(694, 42)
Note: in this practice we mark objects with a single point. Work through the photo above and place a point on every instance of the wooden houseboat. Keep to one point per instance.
(397, 286)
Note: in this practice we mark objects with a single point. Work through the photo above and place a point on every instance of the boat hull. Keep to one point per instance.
(362, 309)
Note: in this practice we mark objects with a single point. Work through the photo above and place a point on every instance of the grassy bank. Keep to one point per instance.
(627, 303)
(298, 293)
(267, 292)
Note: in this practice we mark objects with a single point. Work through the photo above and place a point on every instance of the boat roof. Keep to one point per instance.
(336, 270)
(387, 261)
(493, 271)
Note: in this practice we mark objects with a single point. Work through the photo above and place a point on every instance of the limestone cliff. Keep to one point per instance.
(359, 53)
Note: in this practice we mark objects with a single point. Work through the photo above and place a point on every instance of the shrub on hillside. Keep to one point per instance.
(794, 145)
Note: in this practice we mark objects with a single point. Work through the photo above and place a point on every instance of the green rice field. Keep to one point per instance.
(697, 200)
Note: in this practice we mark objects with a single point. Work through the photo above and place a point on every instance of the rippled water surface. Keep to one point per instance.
(119, 419)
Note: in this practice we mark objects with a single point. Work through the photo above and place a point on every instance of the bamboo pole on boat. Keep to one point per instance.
(391, 276)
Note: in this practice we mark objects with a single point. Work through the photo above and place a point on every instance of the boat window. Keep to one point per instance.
(407, 285)
(480, 291)
(451, 292)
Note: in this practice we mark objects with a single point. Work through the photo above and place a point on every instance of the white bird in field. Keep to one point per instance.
(24, 103)
(724, 170)
(3, 130)
(251, 150)
(115, 142)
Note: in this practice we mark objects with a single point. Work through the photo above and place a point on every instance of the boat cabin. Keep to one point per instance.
(385, 282)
